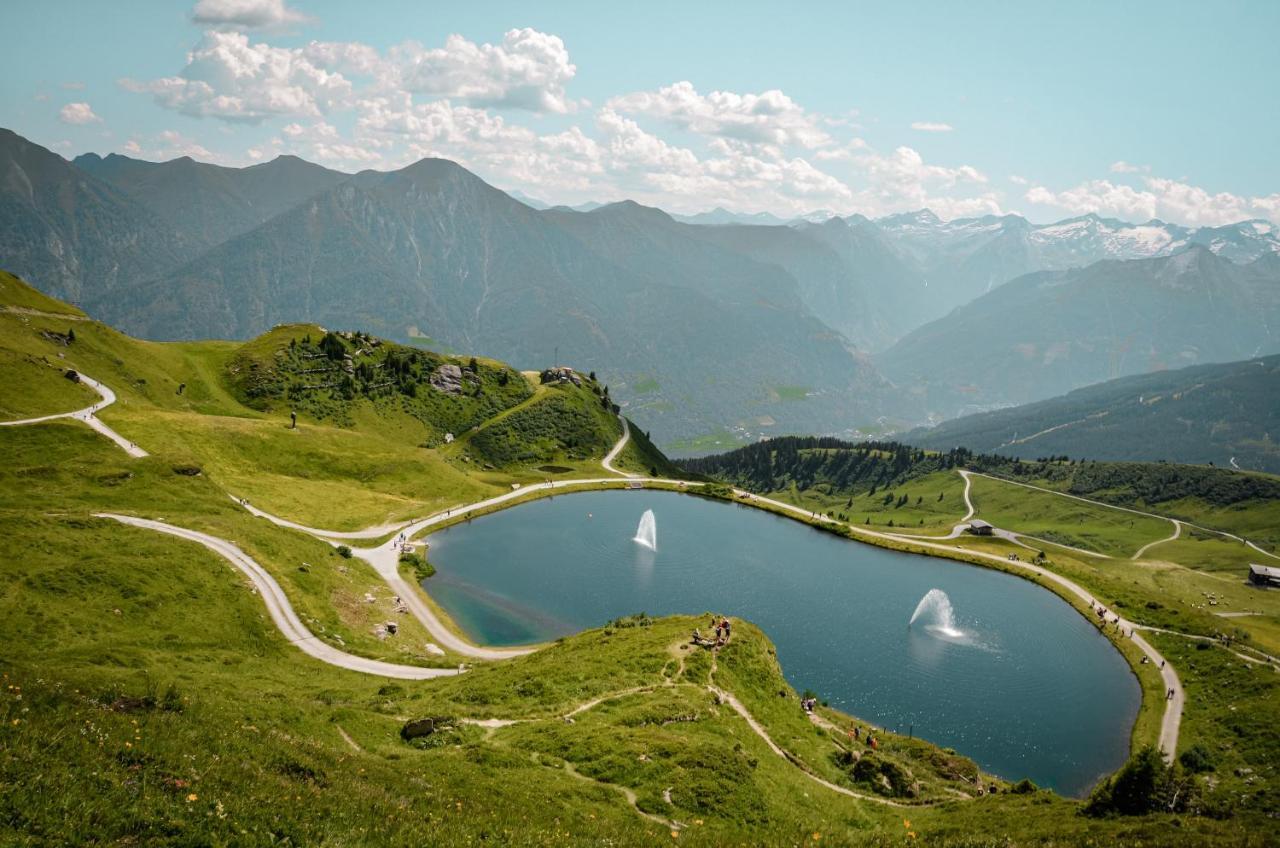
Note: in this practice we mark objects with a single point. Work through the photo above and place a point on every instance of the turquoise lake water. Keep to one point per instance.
(1028, 688)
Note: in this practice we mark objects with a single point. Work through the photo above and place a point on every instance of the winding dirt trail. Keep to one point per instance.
(88, 416)
(607, 462)
(1177, 531)
(282, 612)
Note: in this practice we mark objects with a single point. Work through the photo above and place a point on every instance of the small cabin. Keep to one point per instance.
(1265, 576)
(978, 527)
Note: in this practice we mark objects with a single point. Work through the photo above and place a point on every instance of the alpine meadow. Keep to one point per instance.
(714, 424)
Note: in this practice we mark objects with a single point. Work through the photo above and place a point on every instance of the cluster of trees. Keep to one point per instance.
(808, 460)
(1147, 785)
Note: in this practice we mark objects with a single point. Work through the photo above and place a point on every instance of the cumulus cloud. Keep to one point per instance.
(528, 70)
(931, 126)
(229, 77)
(1123, 167)
(77, 113)
(1158, 197)
(770, 117)
(350, 106)
(246, 14)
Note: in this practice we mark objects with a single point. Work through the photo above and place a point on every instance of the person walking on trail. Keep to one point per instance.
(724, 625)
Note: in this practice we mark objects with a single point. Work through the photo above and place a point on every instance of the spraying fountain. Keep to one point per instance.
(647, 532)
(934, 613)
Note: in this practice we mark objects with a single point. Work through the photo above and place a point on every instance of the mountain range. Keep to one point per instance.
(1223, 414)
(1049, 332)
(700, 323)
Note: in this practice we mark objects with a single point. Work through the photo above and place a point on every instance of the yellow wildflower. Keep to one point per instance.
(192, 797)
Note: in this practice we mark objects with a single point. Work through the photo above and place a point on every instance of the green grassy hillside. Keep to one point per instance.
(146, 698)
(1207, 414)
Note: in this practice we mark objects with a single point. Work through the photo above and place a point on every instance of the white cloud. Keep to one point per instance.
(350, 106)
(528, 70)
(246, 14)
(1123, 167)
(770, 117)
(77, 113)
(73, 86)
(931, 126)
(1158, 197)
(1019, 180)
(230, 78)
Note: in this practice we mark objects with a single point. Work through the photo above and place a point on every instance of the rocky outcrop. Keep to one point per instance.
(447, 378)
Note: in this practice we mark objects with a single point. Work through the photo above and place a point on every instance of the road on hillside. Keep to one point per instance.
(281, 610)
(87, 415)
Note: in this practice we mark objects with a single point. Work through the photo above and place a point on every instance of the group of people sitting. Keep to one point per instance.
(721, 626)
(871, 740)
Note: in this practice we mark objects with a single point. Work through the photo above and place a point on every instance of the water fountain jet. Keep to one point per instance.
(647, 532)
(935, 614)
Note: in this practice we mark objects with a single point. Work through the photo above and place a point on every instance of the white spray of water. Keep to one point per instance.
(647, 532)
(934, 613)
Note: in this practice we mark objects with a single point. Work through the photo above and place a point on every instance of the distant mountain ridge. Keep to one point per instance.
(434, 251)
(1225, 414)
(760, 327)
(211, 203)
(1049, 332)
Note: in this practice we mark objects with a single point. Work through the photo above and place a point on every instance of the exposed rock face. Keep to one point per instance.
(421, 727)
(447, 378)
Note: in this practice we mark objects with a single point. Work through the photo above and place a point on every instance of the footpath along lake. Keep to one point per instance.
(1009, 675)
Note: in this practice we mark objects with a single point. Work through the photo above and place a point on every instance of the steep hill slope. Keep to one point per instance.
(78, 237)
(1051, 332)
(1220, 414)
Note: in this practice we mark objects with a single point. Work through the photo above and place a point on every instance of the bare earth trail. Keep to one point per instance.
(607, 462)
(281, 610)
(87, 416)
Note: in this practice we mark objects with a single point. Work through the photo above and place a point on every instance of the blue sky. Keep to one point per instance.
(1134, 110)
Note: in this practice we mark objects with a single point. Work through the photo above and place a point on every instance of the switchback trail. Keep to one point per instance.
(607, 462)
(281, 610)
(87, 416)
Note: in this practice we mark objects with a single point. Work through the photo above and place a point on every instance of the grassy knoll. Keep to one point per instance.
(1241, 502)
(1064, 521)
(16, 295)
(34, 385)
(927, 505)
(1233, 750)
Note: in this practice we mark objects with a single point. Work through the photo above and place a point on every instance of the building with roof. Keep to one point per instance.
(978, 527)
(1265, 576)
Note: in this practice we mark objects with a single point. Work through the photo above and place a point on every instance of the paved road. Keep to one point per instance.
(87, 416)
(281, 610)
